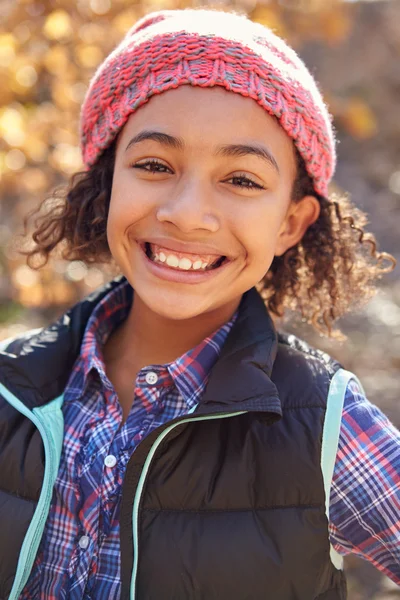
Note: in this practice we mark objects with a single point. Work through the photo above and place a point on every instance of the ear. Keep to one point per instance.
(299, 217)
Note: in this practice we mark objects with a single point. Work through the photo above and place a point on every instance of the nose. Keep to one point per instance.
(190, 209)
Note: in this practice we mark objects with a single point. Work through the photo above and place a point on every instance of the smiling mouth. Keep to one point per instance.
(182, 262)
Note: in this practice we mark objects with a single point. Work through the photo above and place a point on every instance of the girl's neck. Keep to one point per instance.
(146, 338)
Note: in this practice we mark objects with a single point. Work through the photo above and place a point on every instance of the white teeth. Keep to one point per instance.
(181, 263)
(172, 260)
(185, 264)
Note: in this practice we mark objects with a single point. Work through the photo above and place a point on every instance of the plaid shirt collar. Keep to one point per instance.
(189, 372)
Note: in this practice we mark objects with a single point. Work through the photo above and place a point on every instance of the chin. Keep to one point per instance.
(175, 307)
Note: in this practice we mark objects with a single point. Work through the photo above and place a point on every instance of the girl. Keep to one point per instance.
(162, 440)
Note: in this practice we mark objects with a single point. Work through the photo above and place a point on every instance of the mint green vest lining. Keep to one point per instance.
(49, 420)
(330, 438)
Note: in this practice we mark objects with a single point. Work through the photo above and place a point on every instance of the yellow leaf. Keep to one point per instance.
(56, 59)
(7, 49)
(34, 180)
(58, 25)
(67, 158)
(25, 277)
(91, 33)
(32, 296)
(359, 119)
(15, 160)
(62, 292)
(308, 6)
(160, 4)
(12, 126)
(124, 21)
(100, 7)
(2, 162)
(35, 148)
(46, 113)
(335, 26)
(60, 95)
(23, 75)
(26, 76)
(268, 17)
(6, 94)
(65, 135)
(89, 56)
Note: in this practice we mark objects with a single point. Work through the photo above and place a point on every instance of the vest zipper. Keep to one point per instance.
(142, 480)
(35, 530)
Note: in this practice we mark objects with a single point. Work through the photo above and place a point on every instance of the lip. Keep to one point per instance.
(185, 247)
(177, 276)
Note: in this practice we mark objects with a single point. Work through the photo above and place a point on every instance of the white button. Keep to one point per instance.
(84, 542)
(151, 377)
(110, 461)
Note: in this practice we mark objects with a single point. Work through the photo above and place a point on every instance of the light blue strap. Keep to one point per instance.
(330, 438)
(49, 420)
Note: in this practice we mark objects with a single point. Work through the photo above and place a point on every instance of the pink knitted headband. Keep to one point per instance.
(170, 48)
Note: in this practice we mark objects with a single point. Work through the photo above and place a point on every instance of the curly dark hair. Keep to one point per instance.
(333, 269)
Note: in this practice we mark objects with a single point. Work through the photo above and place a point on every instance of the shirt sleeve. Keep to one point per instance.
(364, 508)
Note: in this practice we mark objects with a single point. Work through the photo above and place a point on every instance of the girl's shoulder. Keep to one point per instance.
(303, 363)
(15, 344)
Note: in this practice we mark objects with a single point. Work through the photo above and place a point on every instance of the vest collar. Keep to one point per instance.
(241, 378)
(36, 368)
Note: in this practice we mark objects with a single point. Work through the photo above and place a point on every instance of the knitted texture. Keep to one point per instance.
(207, 48)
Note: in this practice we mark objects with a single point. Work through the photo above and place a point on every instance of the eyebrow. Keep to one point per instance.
(234, 150)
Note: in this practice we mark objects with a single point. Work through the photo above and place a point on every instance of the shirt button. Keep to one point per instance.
(84, 542)
(151, 377)
(110, 461)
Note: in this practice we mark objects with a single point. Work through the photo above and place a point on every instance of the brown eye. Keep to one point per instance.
(244, 182)
(152, 166)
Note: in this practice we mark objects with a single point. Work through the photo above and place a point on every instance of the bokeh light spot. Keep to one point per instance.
(76, 270)
(15, 160)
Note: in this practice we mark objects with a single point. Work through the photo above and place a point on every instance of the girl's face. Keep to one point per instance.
(200, 201)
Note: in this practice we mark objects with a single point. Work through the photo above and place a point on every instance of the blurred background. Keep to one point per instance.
(48, 52)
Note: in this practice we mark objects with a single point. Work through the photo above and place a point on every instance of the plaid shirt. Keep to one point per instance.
(365, 493)
(79, 555)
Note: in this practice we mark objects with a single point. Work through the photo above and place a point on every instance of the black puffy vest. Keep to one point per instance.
(224, 504)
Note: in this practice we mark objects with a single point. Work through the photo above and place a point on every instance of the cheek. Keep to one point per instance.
(128, 205)
(259, 236)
